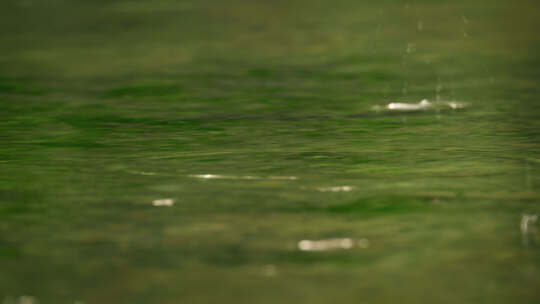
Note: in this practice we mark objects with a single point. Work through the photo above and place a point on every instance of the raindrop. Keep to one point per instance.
(526, 221)
(527, 228)
(438, 88)
(405, 89)
(465, 20)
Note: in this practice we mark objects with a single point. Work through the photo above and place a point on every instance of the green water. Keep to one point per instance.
(110, 105)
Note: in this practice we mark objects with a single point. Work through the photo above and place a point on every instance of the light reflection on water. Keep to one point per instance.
(336, 189)
(528, 228)
(332, 244)
(166, 202)
(424, 104)
(217, 176)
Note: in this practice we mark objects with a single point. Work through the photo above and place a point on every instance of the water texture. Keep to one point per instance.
(248, 151)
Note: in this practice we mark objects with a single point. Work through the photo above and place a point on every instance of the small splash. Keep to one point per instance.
(527, 227)
(332, 244)
(526, 221)
(422, 105)
(336, 189)
(456, 105)
(165, 202)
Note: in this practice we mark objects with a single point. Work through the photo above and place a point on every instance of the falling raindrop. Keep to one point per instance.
(336, 189)
(405, 89)
(527, 228)
(464, 19)
(438, 89)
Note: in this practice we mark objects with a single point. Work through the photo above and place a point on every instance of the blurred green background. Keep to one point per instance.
(110, 105)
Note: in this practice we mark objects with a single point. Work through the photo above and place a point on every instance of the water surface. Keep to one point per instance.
(180, 152)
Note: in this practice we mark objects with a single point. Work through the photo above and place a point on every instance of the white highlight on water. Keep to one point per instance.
(165, 202)
(409, 106)
(217, 176)
(336, 189)
(526, 221)
(527, 228)
(332, 244)
(455, 105)
(422, 105)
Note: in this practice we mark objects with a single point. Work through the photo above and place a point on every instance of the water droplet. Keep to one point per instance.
(464, 19)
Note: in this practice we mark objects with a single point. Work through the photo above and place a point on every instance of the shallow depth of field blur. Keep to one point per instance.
(236, 151)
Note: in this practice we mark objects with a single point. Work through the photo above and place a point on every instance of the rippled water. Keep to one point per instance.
(256, 152)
